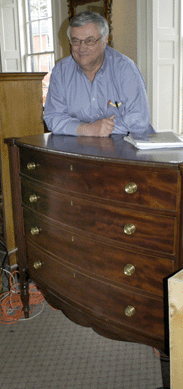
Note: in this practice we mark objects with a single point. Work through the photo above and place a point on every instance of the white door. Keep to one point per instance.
(166, 64)
(9, 36)
(159, 58)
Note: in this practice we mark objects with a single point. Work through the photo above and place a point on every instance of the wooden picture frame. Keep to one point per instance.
(104, 9)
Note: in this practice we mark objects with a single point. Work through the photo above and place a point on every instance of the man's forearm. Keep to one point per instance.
(84, 129)
(101, 128)
(61, 124)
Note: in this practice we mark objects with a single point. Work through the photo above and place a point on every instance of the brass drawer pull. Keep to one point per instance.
(35, 231)
(130, 188)
(129, 269)
(129, 229)
(31, 166)
(130, 311)
(37, 265)
(33, 198)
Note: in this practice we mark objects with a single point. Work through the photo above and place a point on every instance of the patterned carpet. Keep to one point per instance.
(49, 351)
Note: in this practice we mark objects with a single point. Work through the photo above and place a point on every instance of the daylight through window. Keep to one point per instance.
(39, 31)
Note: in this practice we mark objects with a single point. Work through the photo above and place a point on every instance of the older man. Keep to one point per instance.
(96, 91)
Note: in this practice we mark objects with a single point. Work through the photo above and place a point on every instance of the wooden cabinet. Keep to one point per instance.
(98, 227)
(21, 113)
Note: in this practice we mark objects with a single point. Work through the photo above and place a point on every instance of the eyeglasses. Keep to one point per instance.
(88, 41)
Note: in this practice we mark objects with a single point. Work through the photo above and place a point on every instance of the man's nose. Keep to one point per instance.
(82, 45)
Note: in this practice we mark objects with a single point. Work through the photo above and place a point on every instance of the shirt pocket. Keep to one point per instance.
(117, 111)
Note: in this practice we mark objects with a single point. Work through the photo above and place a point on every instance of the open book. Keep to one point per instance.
(157, 140)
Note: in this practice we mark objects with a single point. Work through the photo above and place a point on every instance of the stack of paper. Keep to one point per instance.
(157, 140)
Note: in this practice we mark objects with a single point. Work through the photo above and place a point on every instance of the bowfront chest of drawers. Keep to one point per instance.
(98, 228)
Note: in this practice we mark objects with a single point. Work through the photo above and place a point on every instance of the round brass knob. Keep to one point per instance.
(131, 187)
(129, 269)
(33, 198)
(35, 231)
(37, 265)
(31, 166)
(129, 229)
(130, 311)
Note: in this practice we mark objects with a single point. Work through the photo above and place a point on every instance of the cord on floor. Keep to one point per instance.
(11, 307)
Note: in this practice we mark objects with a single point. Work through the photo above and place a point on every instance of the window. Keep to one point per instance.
(39, 34)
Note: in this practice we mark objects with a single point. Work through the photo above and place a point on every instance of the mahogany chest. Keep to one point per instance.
(98, 227)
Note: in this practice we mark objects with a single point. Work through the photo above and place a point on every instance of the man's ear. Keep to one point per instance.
(105, 41)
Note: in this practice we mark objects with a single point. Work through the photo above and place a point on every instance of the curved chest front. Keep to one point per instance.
(100, 237)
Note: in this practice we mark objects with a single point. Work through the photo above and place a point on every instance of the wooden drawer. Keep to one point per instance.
(102, 260)
(102, 299)
(156, 188)
(154, 232)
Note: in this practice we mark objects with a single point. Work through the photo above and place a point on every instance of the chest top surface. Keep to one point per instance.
(112, 149)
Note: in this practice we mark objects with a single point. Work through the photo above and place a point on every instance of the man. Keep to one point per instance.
(96, 91)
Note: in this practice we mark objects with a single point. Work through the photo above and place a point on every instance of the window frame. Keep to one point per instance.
(30, 55)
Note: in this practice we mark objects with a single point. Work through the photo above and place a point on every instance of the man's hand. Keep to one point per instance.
(101, 128)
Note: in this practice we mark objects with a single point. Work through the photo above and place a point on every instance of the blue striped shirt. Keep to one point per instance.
(72, 99)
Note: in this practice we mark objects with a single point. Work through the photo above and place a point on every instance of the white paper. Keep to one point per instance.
(157, 140)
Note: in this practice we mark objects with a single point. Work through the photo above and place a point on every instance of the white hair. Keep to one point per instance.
(86, 17)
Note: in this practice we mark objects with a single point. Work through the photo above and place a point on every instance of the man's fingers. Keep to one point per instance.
(110, 120)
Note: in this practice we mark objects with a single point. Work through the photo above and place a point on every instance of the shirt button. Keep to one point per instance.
(93, 99)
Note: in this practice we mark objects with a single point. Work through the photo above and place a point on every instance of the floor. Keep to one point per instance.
(50, 351)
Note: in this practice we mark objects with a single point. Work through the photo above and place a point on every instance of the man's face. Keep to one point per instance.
(88, 56)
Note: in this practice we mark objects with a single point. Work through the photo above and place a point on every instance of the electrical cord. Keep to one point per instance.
(11, 307)
(161, 356)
